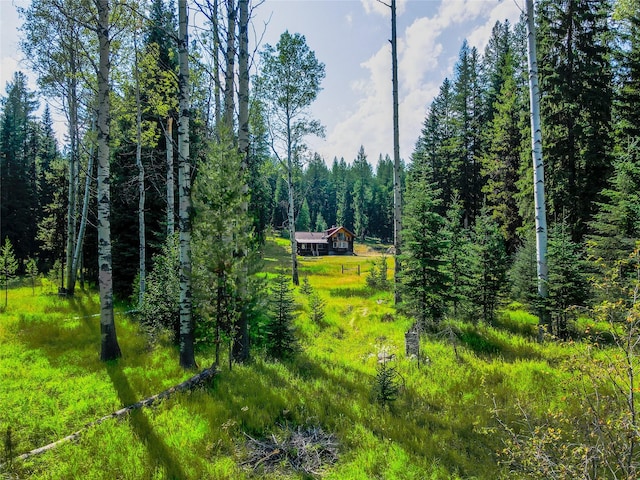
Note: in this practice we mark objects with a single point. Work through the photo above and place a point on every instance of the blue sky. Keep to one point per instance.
(351, 37)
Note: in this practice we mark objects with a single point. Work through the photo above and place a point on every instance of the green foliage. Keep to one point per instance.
(8, 267)
(523, 274)
(303, 221)
(567, 283)
(377, 276)
(306, 287)
(387, 384)
(281, 341)
(489, 267)
(458, 257)
(424, 275)
(31, 270)
(160, 307)
(317, 306)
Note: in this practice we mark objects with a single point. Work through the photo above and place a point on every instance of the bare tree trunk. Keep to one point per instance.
(216, 63)
(109, 342)
(168, 138)
(77, 256)
(72, 100)
(141, 190)
(291, 212)
(538, 165)
(187, 354)
(230, 56)
(397, 195)
(241, 344)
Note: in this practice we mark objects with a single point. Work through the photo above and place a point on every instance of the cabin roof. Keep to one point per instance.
(311, 237)
(320, 237)
(334, 230)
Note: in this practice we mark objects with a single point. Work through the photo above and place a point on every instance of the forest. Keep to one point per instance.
(148, 266)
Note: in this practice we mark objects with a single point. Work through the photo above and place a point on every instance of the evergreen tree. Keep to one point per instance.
(363, 176)
(303, 222)
(18, 173)
(567, 284)
(489, 267)
(8, 266)
(458, 258)
(467, 124)
(281, 342)
(523, 275)
(424, 277)
(436, 146)
(501, 163)
(576, 104)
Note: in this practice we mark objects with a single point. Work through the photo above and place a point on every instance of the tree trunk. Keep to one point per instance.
(291, 213)
(110, 349)
(397, 195)
(73, 167)
(538, 165)
(230, 56)
(141, 190)
(168, 138)
(241, 344)
(77, 256)
(187, 355)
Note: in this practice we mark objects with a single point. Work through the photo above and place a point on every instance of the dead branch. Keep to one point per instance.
(184, 386)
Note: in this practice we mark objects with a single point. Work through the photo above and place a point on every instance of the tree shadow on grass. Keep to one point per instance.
(157, 449)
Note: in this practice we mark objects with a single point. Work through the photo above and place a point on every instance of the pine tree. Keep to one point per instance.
(18, 174)
(523, 275)
(501, 163)
(8, 266)
(281, 341)
(303, 222)
(567, 284)
(576, 83)
(424, 277)
(458, 258)
(489, 267)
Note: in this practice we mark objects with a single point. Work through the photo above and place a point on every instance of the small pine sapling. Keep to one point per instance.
(387, 386)
(306, 287)
(31, 269)
(316, 304)
(8, 267)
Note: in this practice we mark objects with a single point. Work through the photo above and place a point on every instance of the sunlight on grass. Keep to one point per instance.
(53, 383)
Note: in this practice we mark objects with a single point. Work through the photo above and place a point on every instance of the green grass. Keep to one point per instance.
(53, 384)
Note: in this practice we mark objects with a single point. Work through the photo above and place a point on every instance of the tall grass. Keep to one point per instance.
(53, 383)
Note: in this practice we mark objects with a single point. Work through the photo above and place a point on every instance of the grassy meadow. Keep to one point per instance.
(442, 426)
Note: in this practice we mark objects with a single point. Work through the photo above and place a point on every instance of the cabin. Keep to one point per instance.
(334, 241)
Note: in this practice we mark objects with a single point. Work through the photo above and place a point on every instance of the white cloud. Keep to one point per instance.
(422, 68)
(505, 10)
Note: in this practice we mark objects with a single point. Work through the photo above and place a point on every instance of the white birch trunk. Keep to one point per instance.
(73, 167)
(187, 356)
(142, 273)
(291, 213)
(109, 343)
(230, 55)
(168, 138)
(242, 342)
(538, 164)
(77, 256)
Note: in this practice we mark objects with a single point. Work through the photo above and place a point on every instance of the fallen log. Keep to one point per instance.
(186, 385)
